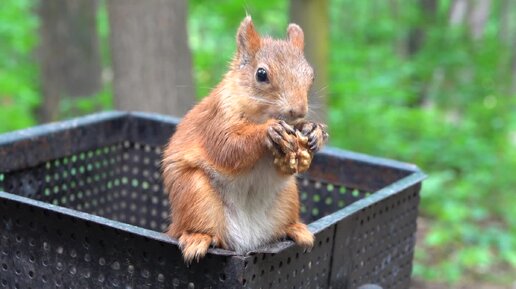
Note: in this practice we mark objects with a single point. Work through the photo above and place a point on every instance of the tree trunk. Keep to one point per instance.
(69, 52)
(507, 31)
(415, 42)
(417, 35)
(505, 21)
(312, 16)
(478, 18)
(458, 12)
(474, 13)
(151, 60)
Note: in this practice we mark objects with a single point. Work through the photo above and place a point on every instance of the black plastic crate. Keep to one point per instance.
(82, 206)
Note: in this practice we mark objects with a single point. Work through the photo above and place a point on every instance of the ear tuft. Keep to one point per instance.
(296, 36)
(248, 40)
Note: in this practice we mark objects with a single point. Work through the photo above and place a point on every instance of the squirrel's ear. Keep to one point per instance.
(248, 40)
(296, 36)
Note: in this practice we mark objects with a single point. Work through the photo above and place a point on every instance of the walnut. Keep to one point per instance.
(295, 162)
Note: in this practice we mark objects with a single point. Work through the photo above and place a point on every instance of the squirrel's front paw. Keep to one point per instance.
(281, 138)
(283, 143)
(316, 133)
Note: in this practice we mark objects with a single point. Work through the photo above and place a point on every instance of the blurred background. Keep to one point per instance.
(431, 82)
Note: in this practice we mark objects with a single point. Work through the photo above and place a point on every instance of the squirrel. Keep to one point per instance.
(230, 166)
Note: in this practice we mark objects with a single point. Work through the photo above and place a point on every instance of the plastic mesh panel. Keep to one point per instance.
(123, 182)
(381, 247)
(57, 251)
(120, 182)
(294, 267)
(319, 199)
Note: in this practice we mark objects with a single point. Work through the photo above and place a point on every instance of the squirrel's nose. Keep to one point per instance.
(297, 113)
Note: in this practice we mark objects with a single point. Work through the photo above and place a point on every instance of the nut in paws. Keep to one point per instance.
(294, 162)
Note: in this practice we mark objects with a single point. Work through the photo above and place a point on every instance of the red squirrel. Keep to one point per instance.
(230, 166)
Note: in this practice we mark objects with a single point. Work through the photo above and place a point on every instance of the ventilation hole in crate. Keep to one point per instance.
(59, 266)
(222, 277)
(145, 273)
(161, 278)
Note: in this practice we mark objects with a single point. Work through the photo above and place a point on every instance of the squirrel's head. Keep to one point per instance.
(273, 74)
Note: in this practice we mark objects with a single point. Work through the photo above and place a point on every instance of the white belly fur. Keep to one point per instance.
(249, 200)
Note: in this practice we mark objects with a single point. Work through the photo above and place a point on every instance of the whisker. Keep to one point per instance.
(282, 100)
(315, 109)
(261, 100)
(324, 88)
(312, 111)
(317, 96)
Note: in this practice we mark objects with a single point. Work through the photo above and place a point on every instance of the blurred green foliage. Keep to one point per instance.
(212, 29)
(461, 135)
(447, 108)
(19, 93)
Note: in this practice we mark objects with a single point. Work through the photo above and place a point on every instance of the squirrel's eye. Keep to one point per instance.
(261, 75)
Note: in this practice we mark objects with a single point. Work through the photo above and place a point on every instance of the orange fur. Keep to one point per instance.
(194, 245)
(288, 210)
(301, 235)
(226, 135)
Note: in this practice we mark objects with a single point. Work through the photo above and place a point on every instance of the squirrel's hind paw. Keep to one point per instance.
(301, 235)
(194, 246)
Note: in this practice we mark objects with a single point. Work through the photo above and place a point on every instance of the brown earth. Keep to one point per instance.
(423, 225)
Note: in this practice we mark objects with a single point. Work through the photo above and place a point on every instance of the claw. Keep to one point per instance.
(283, 138)
(313, 134)
(272, 131)
(287, 127)
(326, 135)
(274, 136)
(308, 128)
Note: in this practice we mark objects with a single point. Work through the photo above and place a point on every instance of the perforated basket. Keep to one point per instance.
(82, 206)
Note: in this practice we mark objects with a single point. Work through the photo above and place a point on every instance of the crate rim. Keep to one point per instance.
(415, 176)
